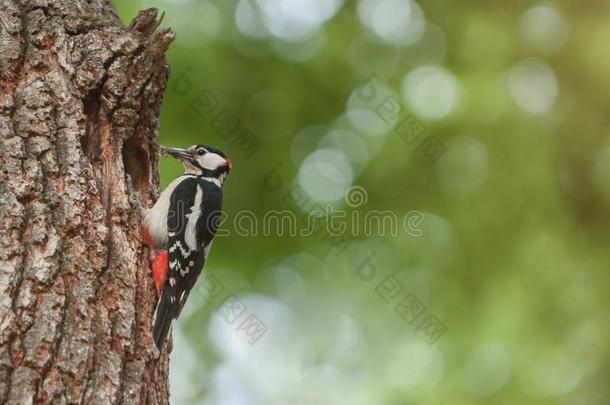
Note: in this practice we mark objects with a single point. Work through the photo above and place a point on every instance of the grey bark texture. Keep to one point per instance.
(79, 105)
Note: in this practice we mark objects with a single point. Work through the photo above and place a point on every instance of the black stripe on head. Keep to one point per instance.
(213, 150)
(214, 173)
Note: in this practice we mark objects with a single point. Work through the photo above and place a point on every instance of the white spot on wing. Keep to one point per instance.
(178, 245)
(175, 265)
(190, 234)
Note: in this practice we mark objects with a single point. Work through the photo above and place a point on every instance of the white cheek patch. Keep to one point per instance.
(211, 161)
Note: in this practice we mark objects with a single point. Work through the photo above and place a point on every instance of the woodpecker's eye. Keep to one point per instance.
(201, 151)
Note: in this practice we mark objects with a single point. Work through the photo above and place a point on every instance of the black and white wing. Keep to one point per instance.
(192, 220)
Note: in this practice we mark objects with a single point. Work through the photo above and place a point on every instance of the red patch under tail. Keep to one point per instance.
(159, 269)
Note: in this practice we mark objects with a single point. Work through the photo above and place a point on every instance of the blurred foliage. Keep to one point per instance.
(513, 252)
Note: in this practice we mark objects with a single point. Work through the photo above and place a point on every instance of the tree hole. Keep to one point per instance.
(136, 163)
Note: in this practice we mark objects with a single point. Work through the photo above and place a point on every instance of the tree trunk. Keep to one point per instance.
(79, 107)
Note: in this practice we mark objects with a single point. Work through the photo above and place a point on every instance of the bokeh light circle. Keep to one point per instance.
(397, 22)
(432, 92)
(533, 86)
(373, 108)
(543, 27)
(325, 175)
(352, 144)
(286, 20)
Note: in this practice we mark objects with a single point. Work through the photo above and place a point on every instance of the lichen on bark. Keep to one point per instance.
(79, 104)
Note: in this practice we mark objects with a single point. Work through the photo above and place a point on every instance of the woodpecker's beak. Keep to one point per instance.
(180, 154)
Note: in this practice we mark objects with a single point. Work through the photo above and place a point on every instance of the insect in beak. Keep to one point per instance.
(180, 154)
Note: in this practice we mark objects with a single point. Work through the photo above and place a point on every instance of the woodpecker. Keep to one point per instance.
(181, 227)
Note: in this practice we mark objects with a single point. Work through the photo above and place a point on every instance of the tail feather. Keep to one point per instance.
(162, 320)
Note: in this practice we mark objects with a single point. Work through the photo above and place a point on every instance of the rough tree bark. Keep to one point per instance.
(79, 106)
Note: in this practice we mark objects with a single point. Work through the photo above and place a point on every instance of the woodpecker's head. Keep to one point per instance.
(201, 160)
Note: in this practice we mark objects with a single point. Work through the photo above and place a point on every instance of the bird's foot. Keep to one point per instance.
(159, 269)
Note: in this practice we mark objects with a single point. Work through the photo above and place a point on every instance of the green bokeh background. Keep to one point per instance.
(512, 256)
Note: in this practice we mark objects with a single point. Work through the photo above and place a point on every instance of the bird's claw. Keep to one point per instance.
(130, 189)
(133, 195)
